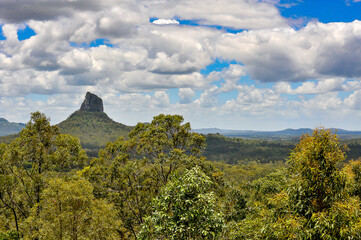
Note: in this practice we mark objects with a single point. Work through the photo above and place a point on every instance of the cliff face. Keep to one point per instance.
(92, 103)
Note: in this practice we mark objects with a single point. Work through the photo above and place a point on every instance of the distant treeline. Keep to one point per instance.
(96, 129)
(232, 150)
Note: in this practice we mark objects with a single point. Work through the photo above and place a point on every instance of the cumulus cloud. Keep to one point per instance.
(23, 10)
(312, 87)
(253, 100)
(144, 59)
(321, 86)
(251, 14)
(186, 95)
(284, 54)
(354, 100)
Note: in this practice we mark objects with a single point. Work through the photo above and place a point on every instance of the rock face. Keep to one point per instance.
(92, 103)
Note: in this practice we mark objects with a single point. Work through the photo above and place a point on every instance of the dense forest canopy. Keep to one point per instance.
(158, 184)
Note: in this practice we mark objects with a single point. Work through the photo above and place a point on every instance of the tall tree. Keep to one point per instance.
(39, 153)
(70, 211)
(185, 209)
(130, 173)
(317, 181)
(164, 142)
(317, 192)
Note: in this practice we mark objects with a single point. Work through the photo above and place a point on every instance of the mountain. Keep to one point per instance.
(285, 134)
(92, 125)
(7, 128)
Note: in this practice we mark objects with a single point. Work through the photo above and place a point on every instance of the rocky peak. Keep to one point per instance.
(92, 103)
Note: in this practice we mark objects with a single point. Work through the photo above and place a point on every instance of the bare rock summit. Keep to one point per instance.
(92, 103)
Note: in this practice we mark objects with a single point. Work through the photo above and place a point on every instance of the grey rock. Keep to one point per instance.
(92, 103)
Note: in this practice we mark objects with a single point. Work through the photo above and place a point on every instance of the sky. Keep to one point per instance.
(231, 64)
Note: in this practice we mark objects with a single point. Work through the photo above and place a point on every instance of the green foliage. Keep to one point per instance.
(238, 150)
(185, 209)
(234, 205)
(265, 211)
(241, 174)
(315, 200)
(9, 236)
(28, 162)
(268, 186)
(39, 150)
(94, 129)
(8, 138)
(352, 172)
(316, 180)
(164, 143)
(70, 211)
(156, 185)
(130, 173)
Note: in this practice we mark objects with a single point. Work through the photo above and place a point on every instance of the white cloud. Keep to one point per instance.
(239, 14)
(322, 86)
(253, 100)
(186, 95)
(284, 54)
(165, 21)
(147, 59)
(325, 102)
(354, 100)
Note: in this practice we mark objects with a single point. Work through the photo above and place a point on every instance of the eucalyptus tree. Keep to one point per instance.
(131, 172)
(27, 163)
(186, 208)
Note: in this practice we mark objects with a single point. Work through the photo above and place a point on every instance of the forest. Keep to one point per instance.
(158, 183)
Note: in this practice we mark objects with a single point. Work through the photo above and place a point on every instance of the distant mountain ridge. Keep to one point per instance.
(7, 128)
(282, 134)
(94, 128)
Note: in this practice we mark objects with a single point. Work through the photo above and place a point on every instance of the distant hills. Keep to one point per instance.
(94, 129)
(90, 124)
(286, 134)
(7, 128)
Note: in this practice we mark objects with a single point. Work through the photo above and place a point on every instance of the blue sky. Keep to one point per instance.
(234, 64)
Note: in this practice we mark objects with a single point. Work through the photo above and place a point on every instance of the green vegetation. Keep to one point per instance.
(185, 209)
(94, 130)
(238, 150)
(233, 150)
(156, 184)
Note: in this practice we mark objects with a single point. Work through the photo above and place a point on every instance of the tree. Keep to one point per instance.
(30, 160)
(164, 142)
(131, 172)
(185, 209)
(70, 211)
(317, 192)
(312, 201)
(316, 181)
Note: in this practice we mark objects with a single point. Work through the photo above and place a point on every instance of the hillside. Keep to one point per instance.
(237, 150)
(7, 128)
(93, 129)
(92, 126)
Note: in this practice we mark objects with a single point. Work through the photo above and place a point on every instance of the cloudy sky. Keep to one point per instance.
(233, 64)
